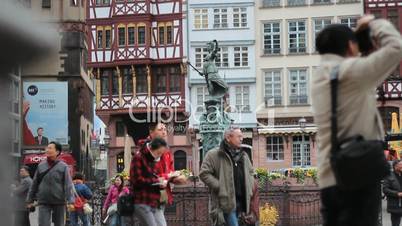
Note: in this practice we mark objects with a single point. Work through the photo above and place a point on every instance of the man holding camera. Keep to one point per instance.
(356, 109)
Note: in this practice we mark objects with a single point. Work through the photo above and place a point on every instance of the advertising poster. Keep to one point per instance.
(45, 113)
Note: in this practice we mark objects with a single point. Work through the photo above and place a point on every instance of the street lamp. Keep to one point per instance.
(302, 124)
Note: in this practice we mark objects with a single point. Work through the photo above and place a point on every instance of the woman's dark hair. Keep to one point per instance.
(120, 188)
(334, 39)
(78, 176)
(157, 143)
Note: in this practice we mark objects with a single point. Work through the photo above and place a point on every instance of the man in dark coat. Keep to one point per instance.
(20, 192)
(393, 191)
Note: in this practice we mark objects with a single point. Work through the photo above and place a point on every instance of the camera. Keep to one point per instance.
(364, 41)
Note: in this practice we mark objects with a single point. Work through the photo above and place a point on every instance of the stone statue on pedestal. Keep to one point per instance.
(214, 121)
(217, 88)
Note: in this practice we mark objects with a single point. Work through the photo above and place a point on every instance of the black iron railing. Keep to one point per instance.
(297, 206)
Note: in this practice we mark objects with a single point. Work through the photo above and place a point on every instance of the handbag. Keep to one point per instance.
(112, 209)
(79, 202)
(87, 209)
(125, 205)
(357, 163)
(251, 219)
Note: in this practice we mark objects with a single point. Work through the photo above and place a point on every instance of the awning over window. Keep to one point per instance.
(287, 130)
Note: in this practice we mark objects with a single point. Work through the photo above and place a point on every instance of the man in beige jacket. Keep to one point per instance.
(356, 107)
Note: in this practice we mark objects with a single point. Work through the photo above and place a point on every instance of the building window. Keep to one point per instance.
(109, 77)
(100, 39)
(393, 17)
(108, 38)
(200, 55)
(275, 148)
(141, 80)
(350, 21)
(202, 96)
(120, 129)
(180, 160)
(120, 162)
(122, 36)
(321, 2)
(174, 79)
(298, 86)
(200, 18)
(161, 35)
(296, 2)
(46, 4)
(272, 38)
(105, 82)
(160, 80)
(220, 18)
(243, 98)
(301, 151)
(102, 2)
(169, 35)
(222, 57)
(15, 96)
(271, 3)
(131, 35)
(115, 83)
(320, 24)
(297, 36)
(240, 56)
(273, 88)
(141, 35)
(16, 136)
(127, 81)
(239, 17)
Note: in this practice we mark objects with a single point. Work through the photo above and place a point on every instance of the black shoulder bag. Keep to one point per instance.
(125, 205)
(357, 163)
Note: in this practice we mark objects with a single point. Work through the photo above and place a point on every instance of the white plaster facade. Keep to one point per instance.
(231, 23)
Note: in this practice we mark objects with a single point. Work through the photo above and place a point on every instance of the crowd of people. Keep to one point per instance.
(348, 118)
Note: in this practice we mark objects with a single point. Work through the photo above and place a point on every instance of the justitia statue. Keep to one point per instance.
(214, 121)
(217, 88)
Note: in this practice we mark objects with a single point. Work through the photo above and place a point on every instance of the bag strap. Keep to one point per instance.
(42, 175)
(334, 93)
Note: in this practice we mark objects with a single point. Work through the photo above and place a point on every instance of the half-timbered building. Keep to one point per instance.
(136, 51)
(390, 92)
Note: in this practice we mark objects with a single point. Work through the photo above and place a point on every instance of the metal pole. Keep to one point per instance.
(302, 150)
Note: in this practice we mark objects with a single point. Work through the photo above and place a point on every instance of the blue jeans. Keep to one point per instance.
(231, 218)
(149, 216)
(74, 216)
(116, 220)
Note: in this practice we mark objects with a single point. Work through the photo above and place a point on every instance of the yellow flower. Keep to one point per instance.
(268, 215)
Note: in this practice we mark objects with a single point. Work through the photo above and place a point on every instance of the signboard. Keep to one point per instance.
(45, 112)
